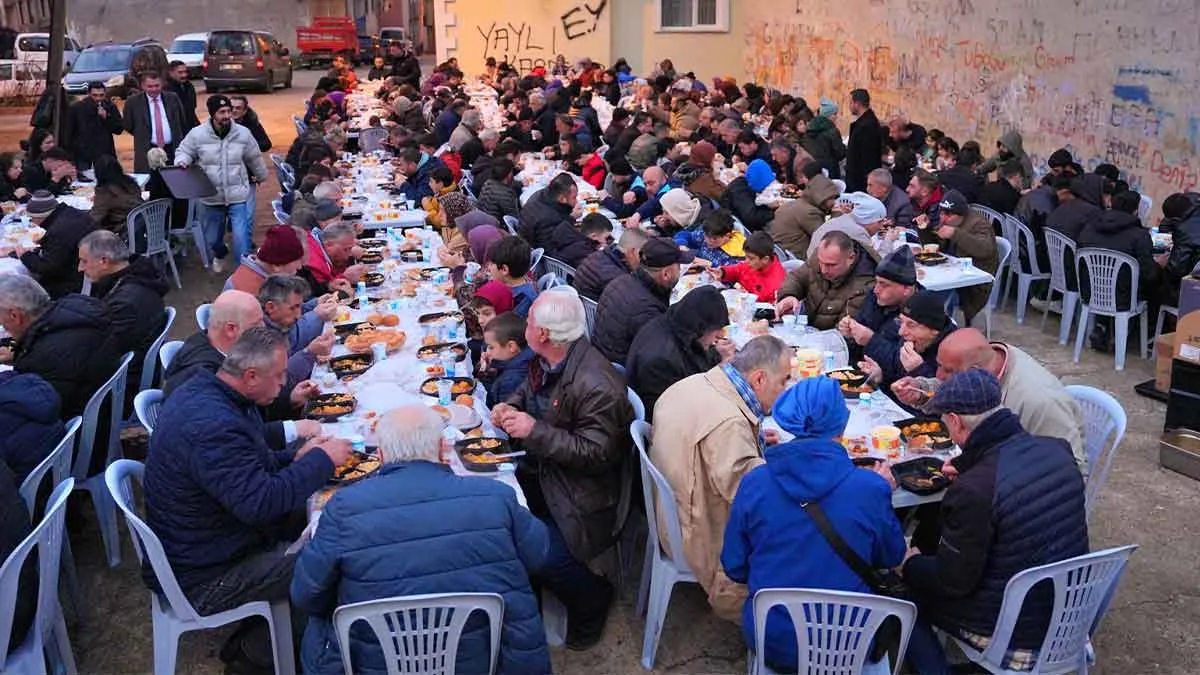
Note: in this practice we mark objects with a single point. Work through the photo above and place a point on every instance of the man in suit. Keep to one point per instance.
(155, 119)
(93, 122)
(180, 84)
(864, 152)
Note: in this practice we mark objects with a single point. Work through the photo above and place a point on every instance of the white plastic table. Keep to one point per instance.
(951, 275)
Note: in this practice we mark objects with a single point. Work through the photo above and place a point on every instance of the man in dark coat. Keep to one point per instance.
(1118, 229)
(417, 167)
(222, 491)
(1017, 503)
(93, 120)
(55, 263)
(230, 315)
(573, 244)
(875, 329)
(179, 83)
(244, 115)
(632, 301)
(682, 342)
(1080, 202)
(571, 417)
(597, 270)
(547, 209)
(1003, 194)
(30, 424)
(1183, 209)
(132, 290)
(405, 66)
(962, 176)
(65, 342)
(155, 118)
(864, 152)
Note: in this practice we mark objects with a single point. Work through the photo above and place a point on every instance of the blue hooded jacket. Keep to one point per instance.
(508, 377)
(770, 540)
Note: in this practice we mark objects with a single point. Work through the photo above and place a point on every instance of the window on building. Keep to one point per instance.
(693, 15)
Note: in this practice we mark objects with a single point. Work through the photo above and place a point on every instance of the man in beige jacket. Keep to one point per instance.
(707, 435)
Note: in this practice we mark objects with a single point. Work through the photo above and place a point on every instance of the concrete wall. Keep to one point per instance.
(96, 20)
(527, 33)
(1114, 80)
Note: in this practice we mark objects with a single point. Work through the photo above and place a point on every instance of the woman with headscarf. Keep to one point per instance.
(771, 540)
(680, 343)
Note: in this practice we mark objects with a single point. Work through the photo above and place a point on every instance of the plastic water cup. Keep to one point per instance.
(358, 443)
(965, 264)
(789, 322)
(444, 389)
(379, 350)
(448, 360)
(329, 380)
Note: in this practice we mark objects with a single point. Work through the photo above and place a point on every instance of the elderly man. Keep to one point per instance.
(224, 496)
(230, 315)
(548, 208)
(796, 220)
(55, 262)
(1027, 388)
(612, 262)
(1016, 502)
(282, 299)
(230, 157)
(417, 510)
(895, 200)
(281, 252)
(632, 301)
(834, 284)
(571, 417)
(339, 242)
(654, 181)
(65, 342)
(967, 234)
(132, 290)
(477, 147)
(704, 456)
(467, 130)
(923, 326)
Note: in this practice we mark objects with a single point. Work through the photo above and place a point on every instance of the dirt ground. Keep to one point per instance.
(1150, 627)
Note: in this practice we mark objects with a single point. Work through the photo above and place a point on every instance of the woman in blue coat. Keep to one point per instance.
(771, 542)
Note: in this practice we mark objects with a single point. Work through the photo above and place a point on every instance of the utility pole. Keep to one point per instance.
(58, 34)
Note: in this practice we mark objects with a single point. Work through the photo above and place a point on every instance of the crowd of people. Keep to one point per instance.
(688, 169)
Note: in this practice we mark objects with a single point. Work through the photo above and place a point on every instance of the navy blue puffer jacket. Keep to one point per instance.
(417, 528)
(29, 423)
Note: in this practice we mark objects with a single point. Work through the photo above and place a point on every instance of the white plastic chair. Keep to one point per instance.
(660, 571)
(1005, 250)
(371, 139)
(193, 229)
(783, 254)
(1103, 418)
(639, 408)
(202, 315)
(49, 626)
(1035, 273)
(589, 311)
(1163, 311)
(114, 391)
(420, 633)
(619, 368)
(1101, 268)
(1008, 229)
(548, 281)
(993, 217)
(1082, 587)
(147, 404)
(560, 269)
(171, 612)
(167, 353)
(153, 218)
(1060, 247)
(535, 257)
(281, 216)
(834, 629)
(301, 127)
(1145, 206)
(151, 358)
(790, 266)
(511, 223)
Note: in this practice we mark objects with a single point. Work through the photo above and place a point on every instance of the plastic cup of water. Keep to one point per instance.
(789, 322)
(965, 263)
(444, 389)
(379, 350)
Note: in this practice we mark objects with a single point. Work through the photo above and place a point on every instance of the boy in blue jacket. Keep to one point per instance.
(509, 262)
(506, 364)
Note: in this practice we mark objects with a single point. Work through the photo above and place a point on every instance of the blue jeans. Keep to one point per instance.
(241, 216)
(925, 653)
(583, 593)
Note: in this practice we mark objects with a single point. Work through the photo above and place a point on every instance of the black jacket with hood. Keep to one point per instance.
(1073, 215)
(627, 304)
(1185, 246)
(1123, 232)
(133, 300)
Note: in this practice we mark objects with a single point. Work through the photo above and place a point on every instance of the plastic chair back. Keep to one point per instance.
(535, 257)
(153, 218)
(371, 139)
(659, 499)
(48, 537)
(145, 543)
(511, 223)
(202, 315)
(1102, 267)
(792, 265)
(420, 633)
(639, 408)
(1029, 242)
(991, 214)
(1004, 248)
(1103, 419)
(59, 460)
(1082, 586)
(548, 281)
(281, 216)
(150, 359)
(834, 629)
(147, 404)
(589, 312)
(619, 368)
(167, 353)
(301, 127)
(558, 268)
(783, 254)
(1060, 247)
(114, 391)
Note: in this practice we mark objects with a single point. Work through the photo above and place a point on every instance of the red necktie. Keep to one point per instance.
(156, 103)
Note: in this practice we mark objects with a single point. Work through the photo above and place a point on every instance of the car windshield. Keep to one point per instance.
(231, 44)
(35, 44)
(98, 60)
(187, 47)
(392, 35)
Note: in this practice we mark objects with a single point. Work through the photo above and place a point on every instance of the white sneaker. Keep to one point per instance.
(218, 265)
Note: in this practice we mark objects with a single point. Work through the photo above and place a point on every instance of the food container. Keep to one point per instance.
(886, 439)
(329, 407)
(483, 455)
(1179, 451)
(808, 363)
(924, 434)
(921, 476)
(931, 248)
(459, 386)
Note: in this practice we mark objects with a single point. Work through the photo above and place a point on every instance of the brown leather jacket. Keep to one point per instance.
(580, 450)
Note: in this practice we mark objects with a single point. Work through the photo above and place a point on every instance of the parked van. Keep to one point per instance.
(190, 48)
(117, 65)
(244, 58)
(35, 47)
(390, 35)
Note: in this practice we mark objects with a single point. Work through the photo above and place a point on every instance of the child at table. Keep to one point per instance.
(716, 240)
(509, 263)
(487, 302)
(761, 273)
(506, 363)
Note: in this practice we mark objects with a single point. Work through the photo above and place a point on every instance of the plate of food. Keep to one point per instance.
(924, 434)
(361, 342)
(412, 256)
(385, 320)
(359, 466)
(329, 407)
(349, 328)
(460, 386)
(791, 192)
(429, 273)
(373, 244)
(351, 365)
(852, 391)
(433, 352)
(438, 317)
(373, 279)
(848, 377)
(357, 303)
(485, 454)
(371, 258)
(930, 259)
(921, 476)
(857, 446)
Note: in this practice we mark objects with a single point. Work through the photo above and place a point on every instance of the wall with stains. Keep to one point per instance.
(528, 33)
(1113, 80)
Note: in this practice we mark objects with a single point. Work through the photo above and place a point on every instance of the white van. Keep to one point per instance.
(189, 48)
(35, 48)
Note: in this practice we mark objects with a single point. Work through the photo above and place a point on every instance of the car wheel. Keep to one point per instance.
(268, 83)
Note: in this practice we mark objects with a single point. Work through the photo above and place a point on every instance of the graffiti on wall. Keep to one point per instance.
(1110, 79)
(535, 42)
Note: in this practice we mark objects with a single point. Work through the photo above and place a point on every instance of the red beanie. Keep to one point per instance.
(498, 294)
(281, 247)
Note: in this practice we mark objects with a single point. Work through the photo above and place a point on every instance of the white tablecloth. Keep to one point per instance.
(951, 275)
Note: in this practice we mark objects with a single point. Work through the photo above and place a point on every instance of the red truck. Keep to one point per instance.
(327, 37)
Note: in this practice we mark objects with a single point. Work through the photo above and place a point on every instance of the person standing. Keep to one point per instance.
(245, 116)
(405, 66)
(94, 121)
(155, 119)
(230, 157)
(179, 83)
(864, 153)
